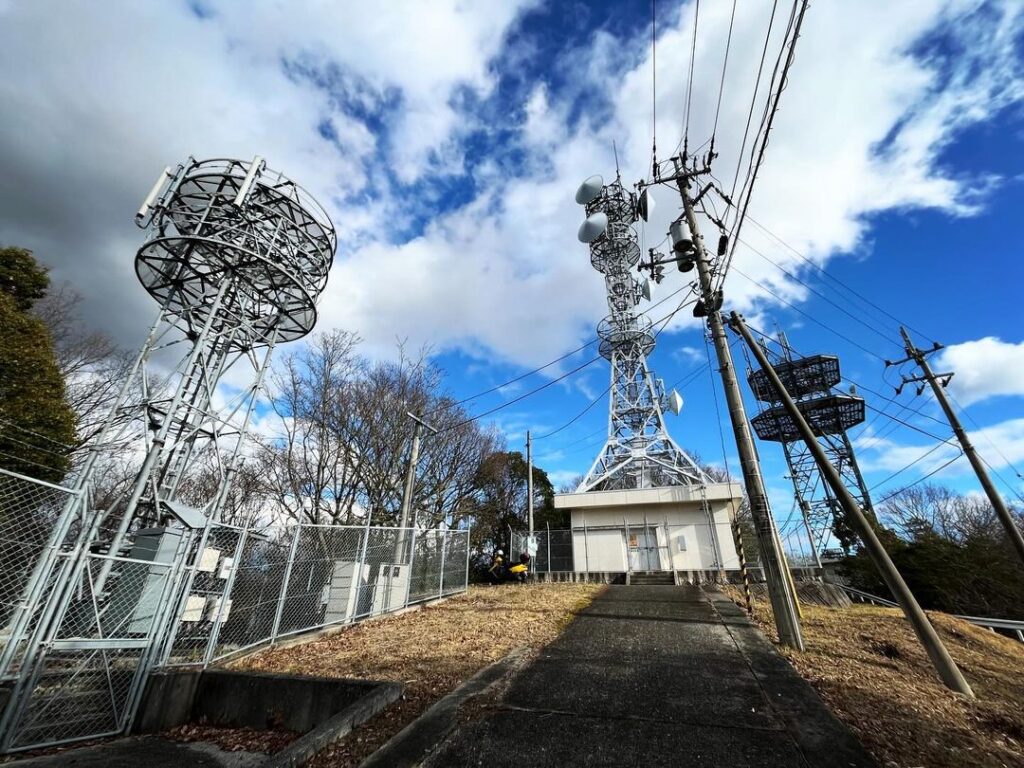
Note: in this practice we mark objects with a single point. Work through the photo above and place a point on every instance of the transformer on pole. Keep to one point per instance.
(237, 257)
(639, 452)
(812, 382)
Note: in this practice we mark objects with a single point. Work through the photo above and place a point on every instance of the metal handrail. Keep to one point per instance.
(1010, 625)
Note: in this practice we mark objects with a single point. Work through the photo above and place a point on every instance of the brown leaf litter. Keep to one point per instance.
(866, 663)
(430, 651)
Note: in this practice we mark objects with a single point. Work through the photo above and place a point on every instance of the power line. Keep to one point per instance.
(591, 361)
(725, 63)
(753, 100)
(557, 360)
(835, 279)
(981, 431)
(578, 416)
(607, 389)
(809, 316)
(654, 85)
(919, 459)
(525, 395)
(847, 379)
(771, 108)
(689, 80)
(822, 296)
(921, 479)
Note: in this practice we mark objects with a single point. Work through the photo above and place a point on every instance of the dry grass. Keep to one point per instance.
(866, 662)
(431, 651)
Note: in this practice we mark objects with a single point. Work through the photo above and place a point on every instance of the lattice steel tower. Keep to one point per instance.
(811, 381)
(639, 452)
(237, 258)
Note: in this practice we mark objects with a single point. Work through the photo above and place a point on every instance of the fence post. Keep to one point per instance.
(629, 565)
(184, 593)
(359, 570)
(225, 596)
(586, 547)
(465, 585)
(440, 587)
(549, 547)
(284, 583)
(412, 559)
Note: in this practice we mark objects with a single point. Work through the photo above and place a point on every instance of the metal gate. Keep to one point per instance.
(80, 626)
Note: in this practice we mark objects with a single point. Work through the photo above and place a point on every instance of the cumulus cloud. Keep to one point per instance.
(453, 197)
(882, 454)
(984, 368)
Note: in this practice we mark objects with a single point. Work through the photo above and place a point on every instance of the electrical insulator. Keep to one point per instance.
(723, 244)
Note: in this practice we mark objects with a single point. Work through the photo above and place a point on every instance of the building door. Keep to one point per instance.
(643, 549)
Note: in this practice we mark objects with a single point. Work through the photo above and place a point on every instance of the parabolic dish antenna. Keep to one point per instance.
(675, 402)
(589, 190)
(645, 288)
(592, 227)
(644, 205)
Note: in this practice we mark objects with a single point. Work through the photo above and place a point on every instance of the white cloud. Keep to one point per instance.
(984, 368)
(97, 98)
(889, 455)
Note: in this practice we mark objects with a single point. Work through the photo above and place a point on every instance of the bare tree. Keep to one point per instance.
(247, 504)
(93, 366)
(449, 465)
(381, 431)
(312, 459)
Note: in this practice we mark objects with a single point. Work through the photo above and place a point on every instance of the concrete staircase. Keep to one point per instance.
(651, 578)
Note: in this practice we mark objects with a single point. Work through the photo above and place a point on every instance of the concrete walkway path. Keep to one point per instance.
(654, 676)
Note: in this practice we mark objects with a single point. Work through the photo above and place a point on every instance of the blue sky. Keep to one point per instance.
(447, 140)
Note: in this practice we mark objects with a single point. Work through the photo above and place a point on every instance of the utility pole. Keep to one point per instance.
(943, 662)
(780, 589)
(938, 384)
(410, 472)
(529, 484)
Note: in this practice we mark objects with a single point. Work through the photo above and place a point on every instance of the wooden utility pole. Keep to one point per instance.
(780, 588)
(943, 662)
(938, 382)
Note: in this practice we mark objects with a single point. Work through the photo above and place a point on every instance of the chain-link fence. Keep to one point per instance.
(89, 666)
(246, 589)
(37, 521)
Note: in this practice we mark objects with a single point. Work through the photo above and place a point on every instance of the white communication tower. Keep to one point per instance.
(237, 258)
(639, 452)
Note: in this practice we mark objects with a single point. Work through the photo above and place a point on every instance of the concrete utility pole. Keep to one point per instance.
(780, 589)
(529, 481)
(943, 662)
(410, 472)
(938, 384)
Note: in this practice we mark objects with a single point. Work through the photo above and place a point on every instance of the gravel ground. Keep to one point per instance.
(867, 664)
(431, 651)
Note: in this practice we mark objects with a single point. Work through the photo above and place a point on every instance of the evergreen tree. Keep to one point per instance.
(36, 423)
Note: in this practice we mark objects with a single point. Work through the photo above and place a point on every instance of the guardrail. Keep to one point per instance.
(1006, 625)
